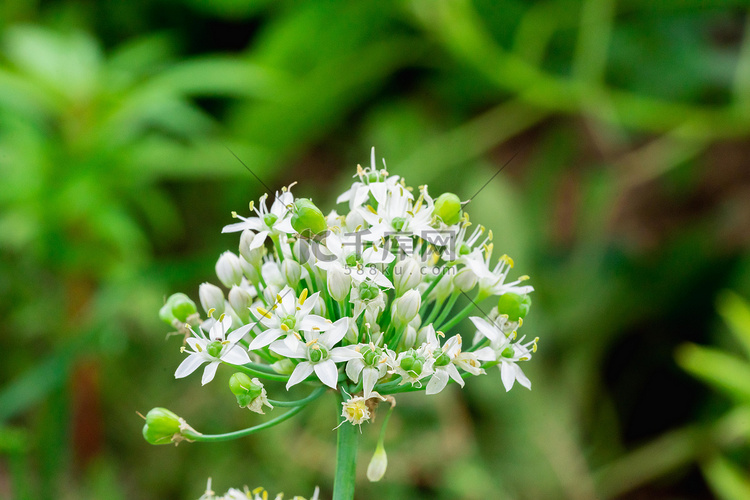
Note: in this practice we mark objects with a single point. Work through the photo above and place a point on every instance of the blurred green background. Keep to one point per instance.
(628, 202)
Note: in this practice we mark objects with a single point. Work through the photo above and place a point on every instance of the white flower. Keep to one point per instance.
(372, 365)
(371, 181)
(319, 354)
(268, 222)
(398, 213)
(505, 352)
(287, 315)
(216, 348)
(491, 280)
(347, 256)
(369, 298)
(447, 359)
(412, 365)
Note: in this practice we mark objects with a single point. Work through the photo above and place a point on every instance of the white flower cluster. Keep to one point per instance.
(363, 298)
(248, 494)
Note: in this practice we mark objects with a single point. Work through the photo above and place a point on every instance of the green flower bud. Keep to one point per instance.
(448, 208)
(307, 219)
(178, 307)
(214, 348)
(351, 260)
(442, 360)
(368, 291)
(270, 219)
(162, 426)
(398, 223)
(317, 354)
(514, 305)
(244, 388)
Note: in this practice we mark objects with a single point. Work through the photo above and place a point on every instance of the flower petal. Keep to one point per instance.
(209, 371)
(265, 338)
(438, 382)
(189, 365)
(235, 355)
(354, 368)
(327, 373)
(300, 373)
(370, 377)
(485, 328)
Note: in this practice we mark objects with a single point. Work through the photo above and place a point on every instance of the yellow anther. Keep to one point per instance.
(182, 349)
(440, 334)
(211, 311)
(278, 298)
(284, 327)
(506, 258)
(303, 296)
(489, 236)
(369, 207)
(198, 346)
(524, 278)
(234, 214)
(313, 341)
(520, 322)
(299, 337)
(252, 206)
(221, 318)
(263, 312)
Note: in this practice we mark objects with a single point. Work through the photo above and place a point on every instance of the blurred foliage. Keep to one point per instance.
(628, 201)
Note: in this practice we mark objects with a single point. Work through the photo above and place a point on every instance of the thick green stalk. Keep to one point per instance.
(346, 460)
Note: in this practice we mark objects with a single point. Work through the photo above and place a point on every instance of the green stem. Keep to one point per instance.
(458, 317)
(301, 402)
(446, 310)
(262, 374)
(346, 459)
(209, 438)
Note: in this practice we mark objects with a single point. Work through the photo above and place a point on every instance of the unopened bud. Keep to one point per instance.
(164, 427)
(406, 307)
(410, 337)
(378, 464)
(240, 300)
(291, 271)
(252, 254)
(250, 271)
(339, 283)
(250, 393)
(211, 298)
(406, 275)
(465, 279)
(307, 218)
(283, 366)
(514, 305)
(229, 270)
(178, 307)
(448, 208)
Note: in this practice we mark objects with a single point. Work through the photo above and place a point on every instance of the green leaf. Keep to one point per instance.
(727, 481)
(736, 312)
(717, 368)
